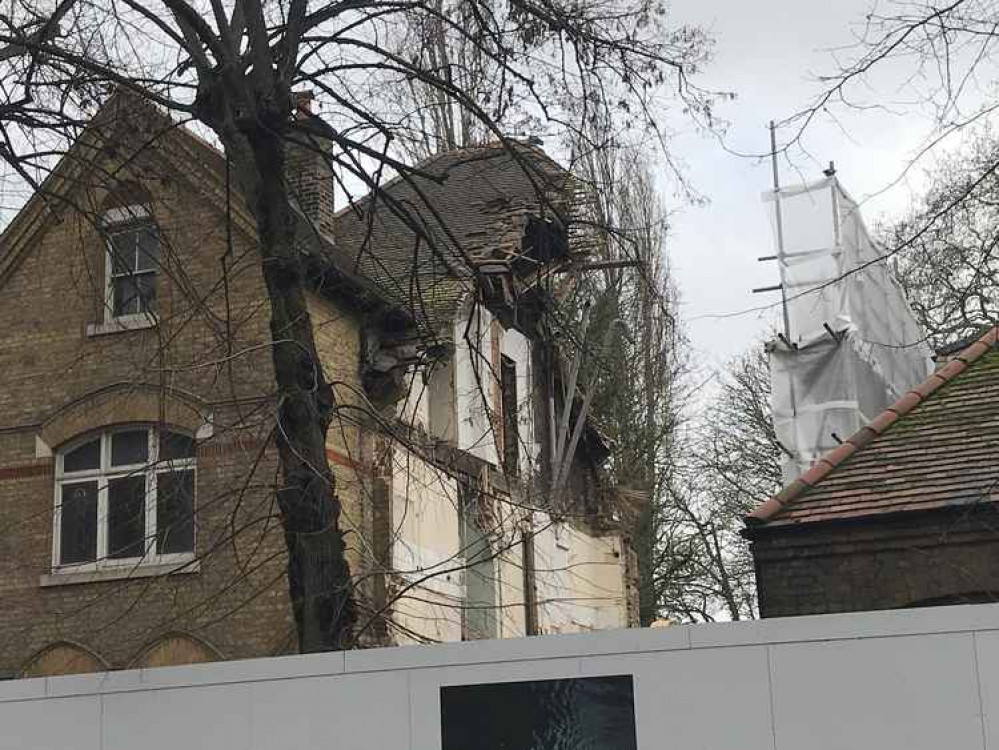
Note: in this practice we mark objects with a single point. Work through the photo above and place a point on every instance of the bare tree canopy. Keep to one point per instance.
(950, 268)
(732, 460)
(637, 371)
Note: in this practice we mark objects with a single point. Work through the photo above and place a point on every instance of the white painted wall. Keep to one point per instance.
(517, 347)
(473, 382)
(906, 680)
(441, 402)
(426, 550)
(414, 409)
(474, 379)
(579, 579)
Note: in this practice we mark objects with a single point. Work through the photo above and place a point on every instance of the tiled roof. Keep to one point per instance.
(937, 446)
(471, 212)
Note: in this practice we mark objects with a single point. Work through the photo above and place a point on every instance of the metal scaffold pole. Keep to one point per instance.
(780, 233)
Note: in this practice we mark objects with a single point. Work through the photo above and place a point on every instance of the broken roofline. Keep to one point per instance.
(542, 173)
(771, 508)
(514, 147)
(328, 272)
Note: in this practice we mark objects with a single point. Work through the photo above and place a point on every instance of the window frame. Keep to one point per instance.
(151, 468)
(116, 221)
(480, 620)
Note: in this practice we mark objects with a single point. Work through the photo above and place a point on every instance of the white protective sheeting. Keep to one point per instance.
(856, 346)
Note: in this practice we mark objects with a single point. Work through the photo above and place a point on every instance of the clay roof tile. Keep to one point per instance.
(936, 446)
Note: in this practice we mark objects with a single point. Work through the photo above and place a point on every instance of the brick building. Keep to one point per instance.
(137, 469)
(902, 514)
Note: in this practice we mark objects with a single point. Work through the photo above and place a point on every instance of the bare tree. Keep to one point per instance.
(233, 67)
(732, 459)
(27, 26)
(740, 446)
(637, 368)
(430, 121)
(950, 268)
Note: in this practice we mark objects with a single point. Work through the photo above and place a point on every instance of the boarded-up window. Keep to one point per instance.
(62, 658)
(480, 606)
(177, 649)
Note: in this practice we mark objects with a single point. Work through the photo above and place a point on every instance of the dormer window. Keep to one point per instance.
(133, 259)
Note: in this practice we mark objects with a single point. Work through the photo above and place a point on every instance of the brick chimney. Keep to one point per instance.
(309, 175)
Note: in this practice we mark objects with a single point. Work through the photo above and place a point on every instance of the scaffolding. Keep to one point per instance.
(851, 345)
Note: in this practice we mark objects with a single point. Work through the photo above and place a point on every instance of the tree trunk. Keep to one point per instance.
(318, 572)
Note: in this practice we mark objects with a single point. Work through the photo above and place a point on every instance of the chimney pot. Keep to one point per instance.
(303, 103)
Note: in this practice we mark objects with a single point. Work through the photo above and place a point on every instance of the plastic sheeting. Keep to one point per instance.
(855, 344)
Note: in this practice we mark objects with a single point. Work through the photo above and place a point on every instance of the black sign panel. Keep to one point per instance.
(586, 713)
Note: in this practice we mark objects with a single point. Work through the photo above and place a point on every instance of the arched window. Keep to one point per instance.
(125, 496)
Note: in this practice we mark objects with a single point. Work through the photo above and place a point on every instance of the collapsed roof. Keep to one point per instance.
(422, 239)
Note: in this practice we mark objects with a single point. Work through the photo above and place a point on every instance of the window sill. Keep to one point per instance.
(146, 570)
(123, 323)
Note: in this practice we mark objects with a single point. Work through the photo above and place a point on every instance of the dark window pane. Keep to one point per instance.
(580, 713)
(125, 296)
(173, 445)
(146, 291)
(123, 252)
(148, 250)
(87, 456)
(78, 527)
(511, 420)
(127, 516)
(175, 512)
(130, 447)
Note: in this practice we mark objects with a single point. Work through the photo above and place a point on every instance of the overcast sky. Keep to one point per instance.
(769, 53)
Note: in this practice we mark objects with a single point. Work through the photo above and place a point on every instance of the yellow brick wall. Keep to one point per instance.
(349, 440)
(237, 602)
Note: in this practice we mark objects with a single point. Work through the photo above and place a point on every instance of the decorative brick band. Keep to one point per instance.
(210, 450)
(226, 447)
(30, 470)
(342, 459)
(213, 450)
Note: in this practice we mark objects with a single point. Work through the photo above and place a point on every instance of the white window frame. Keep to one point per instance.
(152, 468)
(117, 219)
